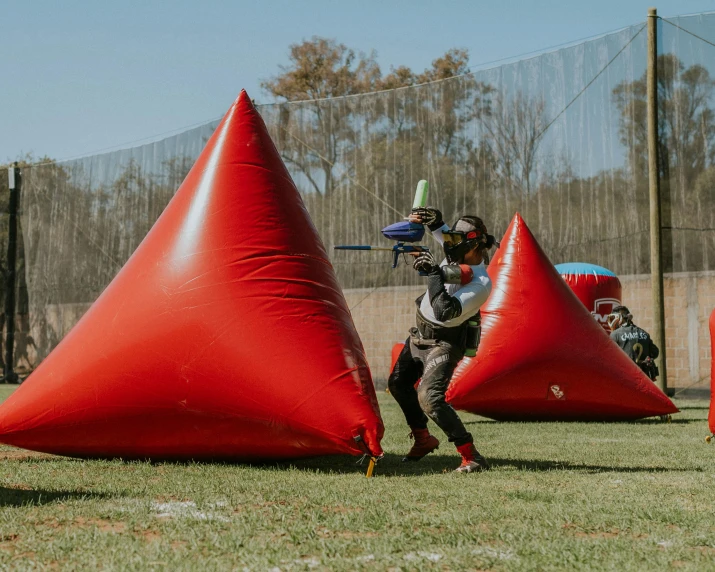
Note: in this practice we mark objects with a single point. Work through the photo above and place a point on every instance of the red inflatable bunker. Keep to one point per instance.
(598, 288)
(711, 415)
(225, 335)
(542, 355)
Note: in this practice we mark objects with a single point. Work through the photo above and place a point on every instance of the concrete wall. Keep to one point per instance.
(383, 317)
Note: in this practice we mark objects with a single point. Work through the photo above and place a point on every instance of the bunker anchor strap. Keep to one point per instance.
(367, 453)
(370, 467)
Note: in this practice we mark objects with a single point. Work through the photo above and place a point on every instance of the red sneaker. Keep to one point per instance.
(424, 445)
(472, 461)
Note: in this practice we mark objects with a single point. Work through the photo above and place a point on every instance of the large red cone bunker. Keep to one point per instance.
(225, 336)
(542, 355)
(711, 415)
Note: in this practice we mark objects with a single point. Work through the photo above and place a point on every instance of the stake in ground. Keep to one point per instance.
(562, 495)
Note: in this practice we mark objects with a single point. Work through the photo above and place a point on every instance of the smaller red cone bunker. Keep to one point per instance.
(542, 355)
(225, 335)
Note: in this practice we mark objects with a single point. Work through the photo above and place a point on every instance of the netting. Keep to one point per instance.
(686, 83)
(82, 220)
(490, 143)
(560, 138)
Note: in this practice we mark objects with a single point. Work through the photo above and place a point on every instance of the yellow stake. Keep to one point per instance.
(370, 467)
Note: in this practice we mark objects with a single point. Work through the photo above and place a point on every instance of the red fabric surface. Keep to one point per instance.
(599, 293)
(711, 415)
(396, 351)
(225, 335)
(542, 355)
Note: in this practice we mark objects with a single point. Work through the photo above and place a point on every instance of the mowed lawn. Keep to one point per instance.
(638, 496)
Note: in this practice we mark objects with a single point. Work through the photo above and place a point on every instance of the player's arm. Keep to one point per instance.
(473, 296)
(467, 300)
(653, 350)
(444, 306)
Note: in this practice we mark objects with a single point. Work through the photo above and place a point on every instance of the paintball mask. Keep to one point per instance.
(469, 233)
(618, 317)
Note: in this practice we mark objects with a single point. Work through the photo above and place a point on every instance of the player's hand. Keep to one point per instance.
(428, 216)
(425, 263)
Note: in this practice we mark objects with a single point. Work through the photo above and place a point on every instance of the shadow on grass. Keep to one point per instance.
(37, 497)
(392, 466)
(649, 421)
(340, 465)
(542, 466)
(676, 421)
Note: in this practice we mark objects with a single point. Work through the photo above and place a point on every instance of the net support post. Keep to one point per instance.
(656, 250)
(14, 177)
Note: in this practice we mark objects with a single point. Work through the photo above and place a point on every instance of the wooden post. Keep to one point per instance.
(656, 255)
(9, 374)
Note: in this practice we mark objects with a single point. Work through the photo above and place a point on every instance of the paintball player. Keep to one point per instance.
(456, 288)
(633, 340)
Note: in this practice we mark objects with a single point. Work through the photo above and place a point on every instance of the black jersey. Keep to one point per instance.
(635, 342)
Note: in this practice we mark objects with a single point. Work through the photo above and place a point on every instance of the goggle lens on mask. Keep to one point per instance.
(453, 238)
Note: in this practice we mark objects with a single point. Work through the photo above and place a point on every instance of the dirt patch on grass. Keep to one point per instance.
(170, 498)
(7, 542)
(266, 506)
(579, 532)
(347, 534)
(151, 535)
(708, 550)
(598, 534)
(21, 487)
(340, 509)
(28, 555)
(102, 524)
(22, 455)
(48, 522)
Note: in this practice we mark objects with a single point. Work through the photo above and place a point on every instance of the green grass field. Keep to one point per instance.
(622, 496)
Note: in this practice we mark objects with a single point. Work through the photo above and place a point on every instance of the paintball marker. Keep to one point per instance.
(403, 233)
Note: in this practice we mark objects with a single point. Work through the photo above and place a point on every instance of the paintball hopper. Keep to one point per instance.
(404, 231)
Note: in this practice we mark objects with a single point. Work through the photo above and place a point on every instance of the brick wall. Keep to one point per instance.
(384, 316)
(689, 301)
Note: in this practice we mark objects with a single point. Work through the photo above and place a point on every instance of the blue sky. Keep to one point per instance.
(79, 76)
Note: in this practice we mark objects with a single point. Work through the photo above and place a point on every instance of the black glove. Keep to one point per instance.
(425, 263)
(430, 216)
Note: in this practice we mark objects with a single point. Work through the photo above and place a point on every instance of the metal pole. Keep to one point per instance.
(656, 251)
(14, 184)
